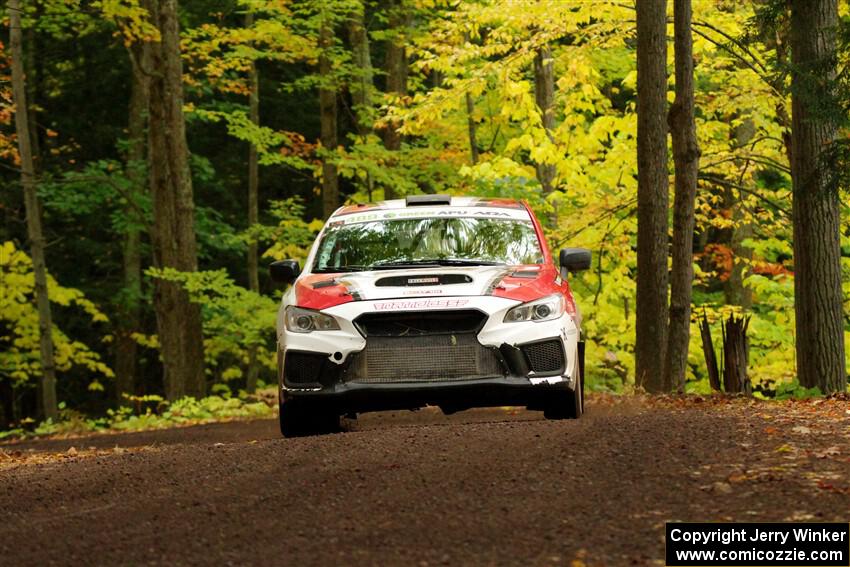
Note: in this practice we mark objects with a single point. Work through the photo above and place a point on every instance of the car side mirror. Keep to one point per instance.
(574, 260)
(284, 271)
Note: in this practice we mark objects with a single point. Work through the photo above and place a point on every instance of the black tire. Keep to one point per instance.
(567, 404)
(581, 371)
(300, 419)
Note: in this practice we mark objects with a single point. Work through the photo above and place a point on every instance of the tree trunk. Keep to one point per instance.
(396, 69)
(253, 203)
(653, 198)
(735, 292)
(49, 406)
(173, 234)
(816, 212)
(7, 405)
(736, 349)
(328, 113)
(32, 84)
(686, 159)
(470, 122)
(253, 168)
(544, 95)
(361, 86)
(126, 348)
(709, 354)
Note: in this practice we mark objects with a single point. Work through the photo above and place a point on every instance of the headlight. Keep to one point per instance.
(543, 309)
(299, 320)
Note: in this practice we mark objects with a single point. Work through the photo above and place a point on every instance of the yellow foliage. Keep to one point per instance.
(19, 331)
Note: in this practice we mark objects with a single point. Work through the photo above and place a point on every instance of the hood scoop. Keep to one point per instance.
(415, 280)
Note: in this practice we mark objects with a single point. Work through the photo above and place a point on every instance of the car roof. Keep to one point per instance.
(430, 203)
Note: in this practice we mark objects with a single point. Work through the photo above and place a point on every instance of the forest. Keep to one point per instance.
(157, 157)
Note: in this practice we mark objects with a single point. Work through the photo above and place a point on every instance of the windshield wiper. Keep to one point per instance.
(433, 262)
(340, 269)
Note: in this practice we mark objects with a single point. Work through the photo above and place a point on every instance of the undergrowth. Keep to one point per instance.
(153, 412)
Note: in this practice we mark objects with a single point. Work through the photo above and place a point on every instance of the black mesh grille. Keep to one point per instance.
(547, 356)
(303, 368)
(431, 358)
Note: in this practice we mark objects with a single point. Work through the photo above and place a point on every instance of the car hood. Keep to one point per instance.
(522, 283)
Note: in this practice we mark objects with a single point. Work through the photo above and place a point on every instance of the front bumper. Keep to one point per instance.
(487, 392)
(358, 372)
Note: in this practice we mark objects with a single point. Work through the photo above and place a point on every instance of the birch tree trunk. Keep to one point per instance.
(653, 198)
(33, 212)
(686, 160)
(816, 207)
(173, 234)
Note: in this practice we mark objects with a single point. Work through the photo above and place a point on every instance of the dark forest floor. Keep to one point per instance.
(484, 487)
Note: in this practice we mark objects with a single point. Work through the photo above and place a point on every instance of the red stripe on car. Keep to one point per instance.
(327, 294)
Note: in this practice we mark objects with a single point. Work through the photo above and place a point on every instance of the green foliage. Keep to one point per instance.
(102, 186)
(185, 411)
(292, 237)
(237, 322)
(794, 391)
(188, 411)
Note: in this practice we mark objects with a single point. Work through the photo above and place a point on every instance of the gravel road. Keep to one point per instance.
(484, 487)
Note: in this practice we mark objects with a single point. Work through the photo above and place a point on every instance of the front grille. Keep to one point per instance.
(429, 358)
(417, 323)
(545, 357)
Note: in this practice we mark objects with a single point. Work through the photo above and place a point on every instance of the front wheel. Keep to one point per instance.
(298, 419)
(567, 404)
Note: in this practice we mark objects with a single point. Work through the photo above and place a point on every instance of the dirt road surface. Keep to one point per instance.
(485, 487)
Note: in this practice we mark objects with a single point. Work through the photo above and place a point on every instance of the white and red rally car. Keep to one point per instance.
(432, 300)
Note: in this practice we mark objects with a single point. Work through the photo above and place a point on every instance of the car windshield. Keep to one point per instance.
(427, 241)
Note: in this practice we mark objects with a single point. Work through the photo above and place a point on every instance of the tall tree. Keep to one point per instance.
(396, 70)
(173, 232)
(471, 128)
(328, 119)
(253, 199)
(130, 319)
(361, 84)
(35, 233)
(686, 160)
(653, 198)
(816, 208)
(253, 166)
(544, 96)
(31, 70)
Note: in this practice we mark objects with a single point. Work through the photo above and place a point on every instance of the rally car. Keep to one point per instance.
(432, 300)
